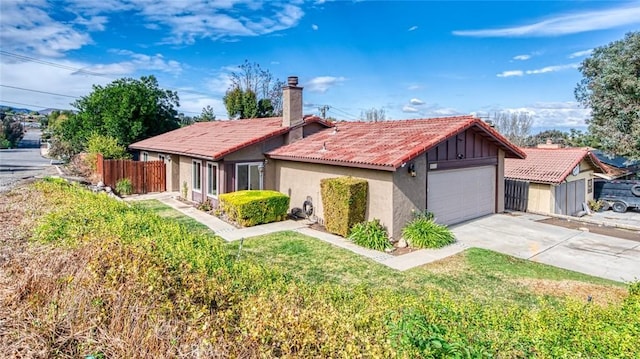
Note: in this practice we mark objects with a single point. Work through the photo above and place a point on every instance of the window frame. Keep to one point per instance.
(260, 174)
(196, 164)
(145, 156)
(162, 157)
(208, 178)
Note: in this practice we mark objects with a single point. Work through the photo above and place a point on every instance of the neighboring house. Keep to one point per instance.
(451, 166)
(560, 179)
(618, 167)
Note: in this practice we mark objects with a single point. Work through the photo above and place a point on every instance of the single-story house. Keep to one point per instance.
(560, 179)
(452, 166)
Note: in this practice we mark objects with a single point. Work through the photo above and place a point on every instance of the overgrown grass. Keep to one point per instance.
(107, 279)
(165, 211)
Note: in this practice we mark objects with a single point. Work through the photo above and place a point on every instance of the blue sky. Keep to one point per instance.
(415, 59)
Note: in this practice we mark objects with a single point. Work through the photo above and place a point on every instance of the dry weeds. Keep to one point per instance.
(599, 294)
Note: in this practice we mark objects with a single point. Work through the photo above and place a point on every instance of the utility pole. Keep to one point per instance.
(323, 110)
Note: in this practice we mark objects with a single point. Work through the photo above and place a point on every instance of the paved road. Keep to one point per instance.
(523, 237)
(23, 162)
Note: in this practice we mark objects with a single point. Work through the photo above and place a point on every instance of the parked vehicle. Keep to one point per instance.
(619, 195)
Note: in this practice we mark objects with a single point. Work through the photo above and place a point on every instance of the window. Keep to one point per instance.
(145, 156)
(212, 179)
(248, 176)
(161, 158)
(197, 176)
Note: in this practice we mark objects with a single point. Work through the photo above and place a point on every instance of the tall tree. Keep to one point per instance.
(253, 93)
(207, 115)
(373, 115)
(126, 109)
(611, 88)
(515, 126)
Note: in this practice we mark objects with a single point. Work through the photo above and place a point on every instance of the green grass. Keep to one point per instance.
(163, 210)
(481, 273)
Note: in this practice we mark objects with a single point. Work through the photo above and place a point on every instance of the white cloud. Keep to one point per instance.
(554, 68)
(314, 27)
(408, 108)
(416, 102)
(413, 28)
(510, 73)
(580, 53)
(137, 62)
(323, 83)
(27, 28)
(522, 57)
(414, 87)
(567, 23)
(550, 115)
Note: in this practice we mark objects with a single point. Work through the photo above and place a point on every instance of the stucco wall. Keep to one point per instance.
(299, 180)
(185, 175)
(409, 194)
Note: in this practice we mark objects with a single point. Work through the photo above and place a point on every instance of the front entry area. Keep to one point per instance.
(458, 195)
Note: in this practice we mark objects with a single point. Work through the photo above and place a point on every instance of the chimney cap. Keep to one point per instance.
(292, 80)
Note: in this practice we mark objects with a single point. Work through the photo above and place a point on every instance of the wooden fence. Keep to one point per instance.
(145, 177)
(516, 195)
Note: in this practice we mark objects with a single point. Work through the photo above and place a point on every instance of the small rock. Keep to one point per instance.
(100, 184)
(108, 189)
(402, 243)
(389, 250)
(584, 229)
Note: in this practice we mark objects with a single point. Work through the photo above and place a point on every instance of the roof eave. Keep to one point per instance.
(389, 168)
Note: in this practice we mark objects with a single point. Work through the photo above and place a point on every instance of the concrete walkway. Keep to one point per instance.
(230, 233)
(520, 236)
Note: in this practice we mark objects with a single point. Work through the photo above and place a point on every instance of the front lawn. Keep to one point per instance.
(101, 278)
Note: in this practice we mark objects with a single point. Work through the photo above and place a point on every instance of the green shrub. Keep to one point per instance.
(345, 203)
(107, 146)
(249, 208)
(370, 234)
(205, 206)
(425, 233)
(124, 187)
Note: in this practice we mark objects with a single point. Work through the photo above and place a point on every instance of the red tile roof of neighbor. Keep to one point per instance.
(383, 145)
(216, 139)
(548, 165)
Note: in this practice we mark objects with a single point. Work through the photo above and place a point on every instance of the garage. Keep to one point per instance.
(458, 195)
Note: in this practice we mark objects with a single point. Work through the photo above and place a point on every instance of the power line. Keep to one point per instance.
(344, 113)
(38, 91)
(23, 104)
(83, 71)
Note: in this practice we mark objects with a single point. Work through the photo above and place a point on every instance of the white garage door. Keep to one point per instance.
(462, 194)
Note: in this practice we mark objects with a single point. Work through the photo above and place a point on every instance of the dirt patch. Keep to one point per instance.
(587, 292)
(593, 228)
(451, 265)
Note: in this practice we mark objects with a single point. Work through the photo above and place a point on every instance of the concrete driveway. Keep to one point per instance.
(520, 236)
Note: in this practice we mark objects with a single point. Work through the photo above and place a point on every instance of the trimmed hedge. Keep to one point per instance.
(250, 208)
(345, 203)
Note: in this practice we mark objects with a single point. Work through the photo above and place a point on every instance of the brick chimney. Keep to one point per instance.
(292, 109)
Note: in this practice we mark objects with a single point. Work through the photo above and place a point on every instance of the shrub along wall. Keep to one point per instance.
(250, 208)
(344, 200)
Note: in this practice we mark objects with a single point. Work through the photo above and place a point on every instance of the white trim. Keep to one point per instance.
(193, 177)
(249, 173)
(145, 156)
(214, 164)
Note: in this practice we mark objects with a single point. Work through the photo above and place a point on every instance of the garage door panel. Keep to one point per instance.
(462, 194)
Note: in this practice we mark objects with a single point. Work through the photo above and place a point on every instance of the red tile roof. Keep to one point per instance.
(548, 165)
(383, 145)
(215, 139)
